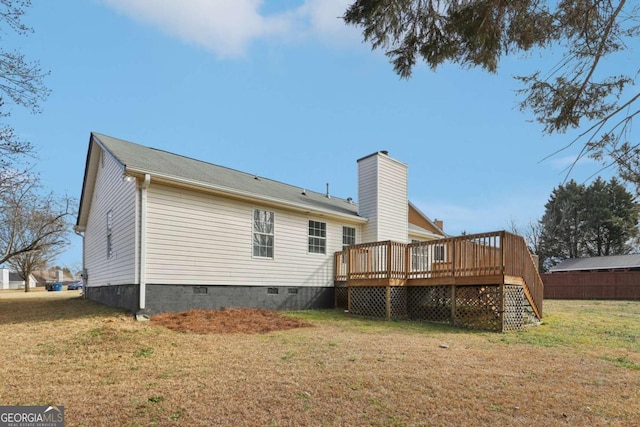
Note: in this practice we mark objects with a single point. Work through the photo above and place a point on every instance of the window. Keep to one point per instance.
(263, 233)
(317, 237)
(348, 236)
(109, 234)
(419, 257)
(438, 253)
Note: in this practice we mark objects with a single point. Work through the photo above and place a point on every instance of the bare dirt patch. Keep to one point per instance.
(228, 321)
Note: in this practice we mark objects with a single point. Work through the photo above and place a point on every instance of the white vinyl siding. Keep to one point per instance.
(115, 195)
(199, 239)
(393, 204)
(368, 197)
(382, 198)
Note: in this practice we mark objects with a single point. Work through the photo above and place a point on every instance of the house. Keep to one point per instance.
(162, 232)
(603, 277)
(45, 278)
(11, 280)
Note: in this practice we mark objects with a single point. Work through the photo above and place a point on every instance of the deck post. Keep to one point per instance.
(389, 259)
(453, 304)
(502, 306)
(503, 253)
(453, 259)
(348, 263)
(388, 302)
(407, 262)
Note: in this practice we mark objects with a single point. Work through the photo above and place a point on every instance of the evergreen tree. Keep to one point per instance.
(579, 221)
(582, 91)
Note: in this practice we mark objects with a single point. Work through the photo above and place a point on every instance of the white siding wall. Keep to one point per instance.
(382, 197)
(194, 238)
(111, 193)
(4, 278)
(368, 197)
(393, 205)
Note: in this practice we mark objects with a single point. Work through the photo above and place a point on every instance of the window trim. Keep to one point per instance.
(254, 232)
(319, 238)
(110, 234)
(355, 240)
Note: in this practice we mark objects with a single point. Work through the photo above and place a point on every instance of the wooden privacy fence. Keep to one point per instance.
(489, 258)
(615, 285)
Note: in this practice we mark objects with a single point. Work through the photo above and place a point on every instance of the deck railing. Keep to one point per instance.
(463, 256)
(378, 260)
(520, 263)
(477, 255)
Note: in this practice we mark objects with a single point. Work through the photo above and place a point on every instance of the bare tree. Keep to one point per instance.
(26, 263)
(531, 233)
(22, 85)
(34, 228)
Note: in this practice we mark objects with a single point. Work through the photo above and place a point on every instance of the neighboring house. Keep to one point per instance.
(163, 232)
(606, 277)
(45, 278)
(12, 280)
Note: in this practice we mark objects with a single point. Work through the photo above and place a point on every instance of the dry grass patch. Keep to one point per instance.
(228, 321)
(577, 369)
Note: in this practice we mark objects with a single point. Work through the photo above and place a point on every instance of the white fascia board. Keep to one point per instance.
(425, 233)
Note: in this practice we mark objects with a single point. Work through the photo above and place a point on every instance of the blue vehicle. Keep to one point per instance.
(74, 286)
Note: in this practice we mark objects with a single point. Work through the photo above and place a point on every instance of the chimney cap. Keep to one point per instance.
(377, 153)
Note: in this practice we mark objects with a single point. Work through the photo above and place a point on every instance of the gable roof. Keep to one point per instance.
(163, 166)
(614, 262)
(421, 224)
(138, 160)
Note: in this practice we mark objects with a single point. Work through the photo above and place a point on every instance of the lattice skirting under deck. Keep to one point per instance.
(482, 307)
(342, 297)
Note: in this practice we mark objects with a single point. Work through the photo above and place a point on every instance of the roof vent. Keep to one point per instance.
(349, 200)
(256, 177)
(328, 195)
(385, 152)
(304, 192)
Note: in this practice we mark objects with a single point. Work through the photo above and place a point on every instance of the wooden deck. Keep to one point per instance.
(497, 258)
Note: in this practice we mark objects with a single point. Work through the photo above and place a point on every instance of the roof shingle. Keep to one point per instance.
(141, 159)
(613, 262)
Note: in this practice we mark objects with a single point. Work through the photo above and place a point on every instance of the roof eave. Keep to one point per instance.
(245, 196)
(425, 233)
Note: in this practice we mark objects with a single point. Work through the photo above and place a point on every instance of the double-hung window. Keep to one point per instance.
(348, 236)
(317, 237)
(263, 227)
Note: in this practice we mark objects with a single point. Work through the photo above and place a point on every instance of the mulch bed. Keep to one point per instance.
(228, 321)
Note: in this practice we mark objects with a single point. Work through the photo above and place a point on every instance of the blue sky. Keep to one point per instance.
(284, 90)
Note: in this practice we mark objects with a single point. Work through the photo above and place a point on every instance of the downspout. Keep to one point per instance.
(143, 240)
(84, 268)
